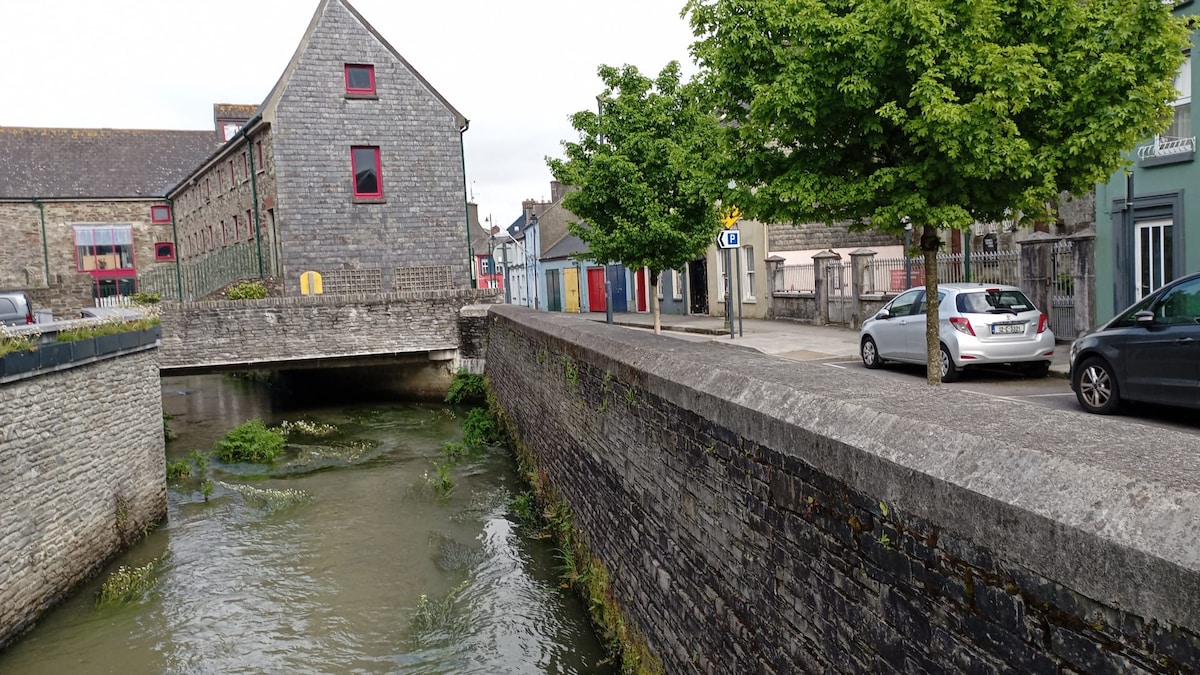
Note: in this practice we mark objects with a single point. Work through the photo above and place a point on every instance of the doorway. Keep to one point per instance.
(697, 286)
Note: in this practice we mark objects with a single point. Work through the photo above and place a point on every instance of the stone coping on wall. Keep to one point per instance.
(1109, 504)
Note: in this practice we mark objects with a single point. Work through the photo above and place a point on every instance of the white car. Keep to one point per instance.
(981, 324)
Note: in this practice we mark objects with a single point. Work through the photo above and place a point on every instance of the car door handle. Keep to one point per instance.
(1184, 341)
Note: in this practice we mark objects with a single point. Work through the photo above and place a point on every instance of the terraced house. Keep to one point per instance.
(351, 168)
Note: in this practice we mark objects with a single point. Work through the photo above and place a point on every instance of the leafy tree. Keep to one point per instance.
(946, 112)
(645, 191)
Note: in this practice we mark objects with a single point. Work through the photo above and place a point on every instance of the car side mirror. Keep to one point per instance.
(1144, 318)
(883, 314)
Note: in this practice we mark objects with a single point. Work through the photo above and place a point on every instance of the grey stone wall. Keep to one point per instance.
(82, 472)
(273, 330)
(762, 516)
(808, 236)
(21, 249)
(422, 220)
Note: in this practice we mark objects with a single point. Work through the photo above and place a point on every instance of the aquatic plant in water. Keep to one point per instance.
(250, 441)
(436, 617)
(270, 498)
(305, 428)
(127, 584)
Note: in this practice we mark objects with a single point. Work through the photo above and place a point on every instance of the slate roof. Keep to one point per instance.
(233, 111)
(36, 162)
(565, 247)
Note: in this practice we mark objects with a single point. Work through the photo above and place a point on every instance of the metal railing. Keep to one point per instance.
(201, 276)
(1164, 146)
(889, 275)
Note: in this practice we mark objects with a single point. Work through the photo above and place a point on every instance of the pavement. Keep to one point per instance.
(781, 337)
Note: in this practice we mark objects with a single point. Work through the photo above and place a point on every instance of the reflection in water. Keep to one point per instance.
(373, 575)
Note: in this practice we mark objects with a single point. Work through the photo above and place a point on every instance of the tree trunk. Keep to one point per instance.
(930, 243)
(655, 278)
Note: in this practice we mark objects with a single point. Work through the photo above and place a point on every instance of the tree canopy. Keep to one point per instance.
(944, 111)
(642, 172)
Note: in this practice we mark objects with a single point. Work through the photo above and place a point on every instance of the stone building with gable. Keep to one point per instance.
(352, 167)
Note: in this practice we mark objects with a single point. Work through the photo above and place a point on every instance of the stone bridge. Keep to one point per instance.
(434, 332)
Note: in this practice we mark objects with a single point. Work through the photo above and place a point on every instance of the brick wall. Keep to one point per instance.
(272, 330)
(763, 516)
(82, 471)
(423, 221)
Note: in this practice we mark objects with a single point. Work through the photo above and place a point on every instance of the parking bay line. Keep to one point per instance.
(1020, 398)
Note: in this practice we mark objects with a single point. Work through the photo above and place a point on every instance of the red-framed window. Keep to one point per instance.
(368, 178)
(229, 128)
(207, 190)
(258, 156)
(245, 167)
(249, 224)
(232, 174)
(103, 249)
(237, 229)
(160, 214)
(360, 79)
(164, 251)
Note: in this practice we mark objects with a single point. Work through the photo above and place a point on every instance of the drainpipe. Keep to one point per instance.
(175, 238)
(254, 197)
(45, 249)
(462, 153)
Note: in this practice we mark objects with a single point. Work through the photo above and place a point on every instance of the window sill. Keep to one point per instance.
(370, 200)
(363, 97)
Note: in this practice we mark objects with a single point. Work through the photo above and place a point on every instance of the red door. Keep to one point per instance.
(595, 282)
(641, 289)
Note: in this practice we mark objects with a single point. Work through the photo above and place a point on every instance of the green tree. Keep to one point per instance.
(642, 171)
(946, 112)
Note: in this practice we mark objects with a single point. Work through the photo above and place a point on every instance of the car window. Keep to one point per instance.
(7, 306)
(994, 301)
(941, 298)
(903, 304)
(1180, 305)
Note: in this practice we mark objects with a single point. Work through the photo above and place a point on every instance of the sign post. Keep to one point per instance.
(728, 240)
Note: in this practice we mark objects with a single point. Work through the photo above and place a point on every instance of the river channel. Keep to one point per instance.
(370, 571)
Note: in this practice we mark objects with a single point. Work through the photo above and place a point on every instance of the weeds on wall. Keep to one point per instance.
(466, 388)
(167, 433)
(551, 515)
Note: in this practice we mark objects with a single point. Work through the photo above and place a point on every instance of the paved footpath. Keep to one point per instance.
(788, 339)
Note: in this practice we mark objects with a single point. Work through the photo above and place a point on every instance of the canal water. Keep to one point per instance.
(351, 561)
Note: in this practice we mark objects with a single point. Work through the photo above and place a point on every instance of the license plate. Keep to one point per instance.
(1007, 328)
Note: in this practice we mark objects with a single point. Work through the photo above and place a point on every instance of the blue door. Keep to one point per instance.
(616, 277)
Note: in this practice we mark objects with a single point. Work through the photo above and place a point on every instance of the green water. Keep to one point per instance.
(373, 573)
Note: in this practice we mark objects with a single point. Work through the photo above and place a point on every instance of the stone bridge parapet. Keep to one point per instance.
(284, 332)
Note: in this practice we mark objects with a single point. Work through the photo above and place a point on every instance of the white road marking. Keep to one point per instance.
(834, 365)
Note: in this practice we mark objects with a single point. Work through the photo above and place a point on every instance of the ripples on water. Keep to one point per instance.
(373, 575)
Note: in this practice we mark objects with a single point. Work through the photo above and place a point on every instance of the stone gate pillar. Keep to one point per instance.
(1037, 268)
(862, 281)
(820, 264)
(1083, 279)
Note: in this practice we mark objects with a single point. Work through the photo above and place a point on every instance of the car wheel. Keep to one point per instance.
(870, 353)
(1096, 387)
(1038, 369)
(949, 372)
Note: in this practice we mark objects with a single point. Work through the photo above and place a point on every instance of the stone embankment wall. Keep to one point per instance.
(760, 515)
(82, 475)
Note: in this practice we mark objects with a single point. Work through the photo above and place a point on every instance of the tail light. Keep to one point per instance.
(29, 316)
(961, 325)
(1042, 324)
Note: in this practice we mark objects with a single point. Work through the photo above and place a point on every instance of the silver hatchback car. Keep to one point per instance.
(981, 324)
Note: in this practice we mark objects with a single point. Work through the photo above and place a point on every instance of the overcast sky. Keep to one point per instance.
(516, 68)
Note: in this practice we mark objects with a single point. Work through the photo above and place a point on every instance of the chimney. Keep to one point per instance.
(556, 191)
(473, 216)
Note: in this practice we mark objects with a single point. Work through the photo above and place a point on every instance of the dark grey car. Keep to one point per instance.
(15, 308)
(1149, 353)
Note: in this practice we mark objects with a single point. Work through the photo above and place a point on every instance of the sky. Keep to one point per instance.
(517, 69)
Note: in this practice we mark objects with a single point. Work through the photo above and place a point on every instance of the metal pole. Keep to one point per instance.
(907, 258)
(967, 255)
(738, 258)
(728, 294)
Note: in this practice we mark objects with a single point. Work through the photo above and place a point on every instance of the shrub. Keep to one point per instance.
(480, 429)
(178, 469)
(250, 442)
(141, 298)
(247, 290)
(466, 388)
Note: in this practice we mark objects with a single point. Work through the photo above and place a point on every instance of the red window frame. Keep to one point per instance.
(160, 213)
(164, 251)
(249, 224)
(232, 174)
(369, 91)
(378, 194)
(245, 167)
(259, 155)
(237, 230)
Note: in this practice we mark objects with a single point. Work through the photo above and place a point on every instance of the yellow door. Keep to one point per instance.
(571, 277)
